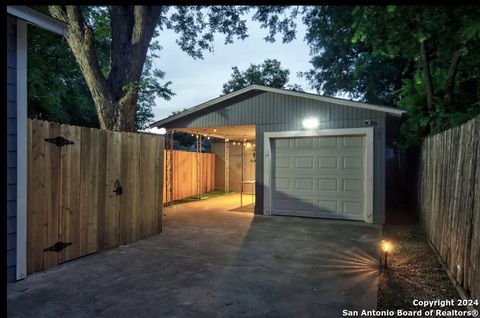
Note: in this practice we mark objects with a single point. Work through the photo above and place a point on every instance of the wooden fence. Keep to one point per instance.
(71, 196)
(450, 200)
(185, 174)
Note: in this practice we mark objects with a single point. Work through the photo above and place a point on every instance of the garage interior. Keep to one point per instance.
(235, 161)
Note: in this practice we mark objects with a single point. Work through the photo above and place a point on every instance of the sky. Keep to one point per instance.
(197, 81)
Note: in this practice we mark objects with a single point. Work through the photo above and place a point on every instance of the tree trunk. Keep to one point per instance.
(450, 88)
(428, 80)
(132, 30)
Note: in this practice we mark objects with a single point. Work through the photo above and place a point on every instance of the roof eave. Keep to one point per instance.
(39, 19)
(389, 110)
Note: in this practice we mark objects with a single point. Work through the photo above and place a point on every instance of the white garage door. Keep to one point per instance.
(319, 177)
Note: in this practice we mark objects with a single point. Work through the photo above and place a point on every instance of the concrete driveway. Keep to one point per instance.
(209, 262)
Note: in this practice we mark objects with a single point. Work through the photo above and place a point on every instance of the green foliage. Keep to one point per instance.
(56, 89)
(372, 54)
(197, 25)
(269, 73)
(443, 30)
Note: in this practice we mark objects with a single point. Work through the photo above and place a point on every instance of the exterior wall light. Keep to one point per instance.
(156, 130)
(310, 123)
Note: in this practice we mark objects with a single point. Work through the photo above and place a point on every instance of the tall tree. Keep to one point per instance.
(116, 86)
(65, 97)
(269, 73)
(132, 29)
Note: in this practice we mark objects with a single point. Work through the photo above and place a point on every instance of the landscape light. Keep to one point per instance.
(310, 123)
(386, 247)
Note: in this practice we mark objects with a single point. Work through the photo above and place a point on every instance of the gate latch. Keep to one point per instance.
(57, 247)
(118, 188)
(59, 141)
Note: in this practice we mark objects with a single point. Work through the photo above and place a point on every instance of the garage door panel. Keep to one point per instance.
(353, 142)
(353, 185)
(282, 183)
(304, 184)
(282, 204)
(327, 163)
(304, 162)
(304, 143)
(327, 142)
(325, 206)
(327, 184)
(352, 162)
(319, 177)
(281, 162)
(353, 208)
(306, 206)
(282, 143)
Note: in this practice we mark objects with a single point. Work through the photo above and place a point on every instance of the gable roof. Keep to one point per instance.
(39, 19)
(334, 100)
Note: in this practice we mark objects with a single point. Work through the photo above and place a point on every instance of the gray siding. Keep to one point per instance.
(272, 112)
(11, 148)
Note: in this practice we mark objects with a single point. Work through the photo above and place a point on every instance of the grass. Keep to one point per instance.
(208, 195)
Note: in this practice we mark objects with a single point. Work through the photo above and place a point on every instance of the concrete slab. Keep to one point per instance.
(209, 262)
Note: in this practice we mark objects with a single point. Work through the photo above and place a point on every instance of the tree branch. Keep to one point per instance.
(452, 71)
(81, 40)
(428, 76)
(132, 30)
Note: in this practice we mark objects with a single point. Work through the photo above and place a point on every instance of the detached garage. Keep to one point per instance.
(307, 155)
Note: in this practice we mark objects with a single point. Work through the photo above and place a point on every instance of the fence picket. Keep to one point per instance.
(449, 194)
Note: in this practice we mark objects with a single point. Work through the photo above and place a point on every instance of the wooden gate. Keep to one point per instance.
(94, 189)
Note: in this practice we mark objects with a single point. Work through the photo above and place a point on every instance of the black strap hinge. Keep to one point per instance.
(59, 141)
(57, 247)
